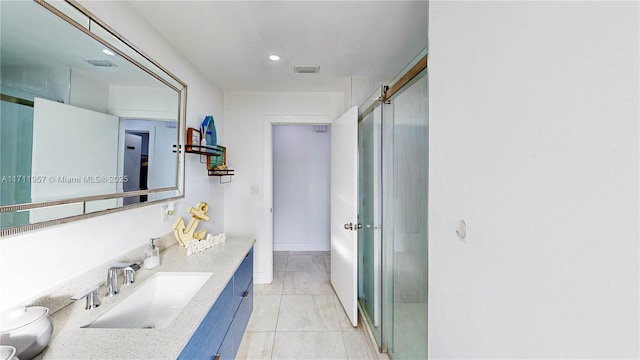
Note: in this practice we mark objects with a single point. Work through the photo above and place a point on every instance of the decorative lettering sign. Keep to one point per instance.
(195, 246)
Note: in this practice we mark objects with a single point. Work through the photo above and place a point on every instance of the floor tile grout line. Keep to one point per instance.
(344, 345)
(275, 331)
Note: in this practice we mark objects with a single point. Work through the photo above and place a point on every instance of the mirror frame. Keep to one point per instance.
(83, 20)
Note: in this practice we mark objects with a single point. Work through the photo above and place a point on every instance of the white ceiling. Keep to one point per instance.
(229, 41)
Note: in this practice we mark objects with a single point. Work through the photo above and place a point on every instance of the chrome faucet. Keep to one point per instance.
(112, 276)
(92, 295)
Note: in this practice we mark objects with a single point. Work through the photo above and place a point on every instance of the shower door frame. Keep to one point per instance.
(373, 104)
(383, 318)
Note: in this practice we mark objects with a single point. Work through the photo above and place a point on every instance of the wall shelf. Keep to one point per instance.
(227, 172)
(202, 150)
(221, 174)
(210, 152)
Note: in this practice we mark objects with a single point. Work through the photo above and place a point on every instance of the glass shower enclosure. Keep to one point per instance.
(393, 148)
(16, 129)
(370, 212)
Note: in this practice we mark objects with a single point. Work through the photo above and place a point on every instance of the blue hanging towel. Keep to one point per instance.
(208, 131)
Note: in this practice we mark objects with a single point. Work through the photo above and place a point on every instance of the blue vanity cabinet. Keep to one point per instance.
(219, 334)
(207, 339)
(232, 341)
(242, 278)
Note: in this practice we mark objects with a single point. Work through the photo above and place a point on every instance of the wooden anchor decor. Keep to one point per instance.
(185, 233)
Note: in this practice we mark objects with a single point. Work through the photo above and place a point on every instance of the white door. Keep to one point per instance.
(344, 211)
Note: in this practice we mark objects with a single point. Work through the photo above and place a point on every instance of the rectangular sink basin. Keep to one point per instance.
(155, 303)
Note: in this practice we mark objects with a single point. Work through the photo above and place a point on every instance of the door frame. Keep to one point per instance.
(269, 122)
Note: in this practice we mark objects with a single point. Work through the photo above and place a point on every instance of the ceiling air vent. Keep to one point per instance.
(306, 69)
(320, 128)
(102, 63)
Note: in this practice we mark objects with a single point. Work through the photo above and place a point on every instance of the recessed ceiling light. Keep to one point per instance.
(274, 57)
(108, 52)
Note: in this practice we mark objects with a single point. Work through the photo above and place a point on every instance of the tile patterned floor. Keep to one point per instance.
(298, 316)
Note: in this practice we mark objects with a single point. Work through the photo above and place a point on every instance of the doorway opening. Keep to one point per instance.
(270, 123)
(301, 187)
(136, 164)
(146, 157)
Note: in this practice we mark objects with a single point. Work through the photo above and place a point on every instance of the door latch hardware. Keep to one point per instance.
(352, 226)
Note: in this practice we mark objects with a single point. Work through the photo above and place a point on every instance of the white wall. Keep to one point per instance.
(301, 188)
(34, 262)
(245, 114)
(143, 102)
(87, 93)
(361, 87)
(534, 143)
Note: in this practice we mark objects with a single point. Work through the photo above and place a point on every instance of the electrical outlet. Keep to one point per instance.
(164, 217)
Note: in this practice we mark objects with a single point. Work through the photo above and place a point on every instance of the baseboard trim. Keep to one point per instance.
(301, 247)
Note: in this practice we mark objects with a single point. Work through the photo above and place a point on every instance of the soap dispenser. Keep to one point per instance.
(152, 256)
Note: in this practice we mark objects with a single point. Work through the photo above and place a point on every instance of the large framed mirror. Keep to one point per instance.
(89, 124)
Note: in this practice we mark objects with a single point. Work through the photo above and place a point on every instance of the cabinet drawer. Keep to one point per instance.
(241, 319)
(206, 341)
(242, 278)
(231, 343)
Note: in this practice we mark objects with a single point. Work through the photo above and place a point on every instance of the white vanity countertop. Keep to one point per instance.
(71, 341)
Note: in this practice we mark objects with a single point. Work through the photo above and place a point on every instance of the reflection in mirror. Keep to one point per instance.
(80, 123)
(148, 158)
